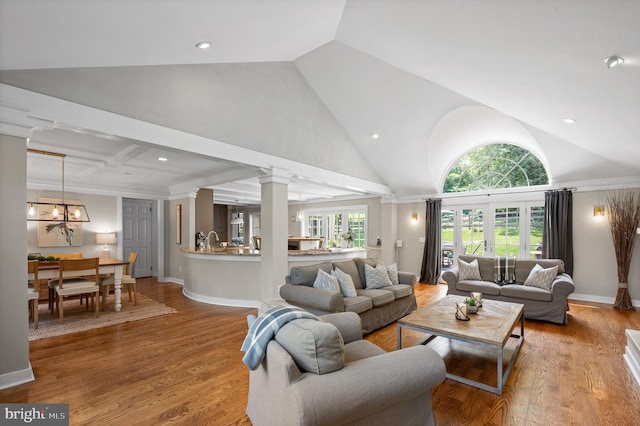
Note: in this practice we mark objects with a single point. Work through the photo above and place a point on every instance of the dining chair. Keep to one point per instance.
(67, 285)
(128, 278)
(32, 293)
(62, 256)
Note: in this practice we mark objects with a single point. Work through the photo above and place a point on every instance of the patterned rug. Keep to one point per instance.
(78, 318)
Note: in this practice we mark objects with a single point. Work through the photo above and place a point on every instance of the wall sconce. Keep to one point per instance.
(106, 238)
(598, 212)
(414, 217)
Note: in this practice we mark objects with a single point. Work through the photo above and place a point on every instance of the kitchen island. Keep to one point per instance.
(230, 276)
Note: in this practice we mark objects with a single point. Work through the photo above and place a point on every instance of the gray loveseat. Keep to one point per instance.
(313, 374)
(376, 307)
(548, 305)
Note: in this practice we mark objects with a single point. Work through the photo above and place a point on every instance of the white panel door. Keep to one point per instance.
(137, 234)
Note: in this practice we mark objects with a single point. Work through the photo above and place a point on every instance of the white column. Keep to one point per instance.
(274, 228)
(389, 231)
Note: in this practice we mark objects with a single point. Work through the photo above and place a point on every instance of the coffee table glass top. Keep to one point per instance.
(492, 324)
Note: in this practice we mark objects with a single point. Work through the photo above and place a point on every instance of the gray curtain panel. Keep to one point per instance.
(431, 258)
(557, 237)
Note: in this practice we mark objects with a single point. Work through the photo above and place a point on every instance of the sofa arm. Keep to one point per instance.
(451, 276)
(387, 379)
(313, 298)
(348, 324)
(562, 286)
(407, 278)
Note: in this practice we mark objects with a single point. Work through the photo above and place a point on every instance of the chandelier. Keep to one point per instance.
(56, 212)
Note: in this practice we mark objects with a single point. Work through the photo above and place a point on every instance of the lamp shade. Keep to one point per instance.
(106, 238)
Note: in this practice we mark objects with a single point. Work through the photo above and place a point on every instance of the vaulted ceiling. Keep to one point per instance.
(301, 86)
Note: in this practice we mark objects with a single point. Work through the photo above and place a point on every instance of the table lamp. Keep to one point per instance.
(106, 238)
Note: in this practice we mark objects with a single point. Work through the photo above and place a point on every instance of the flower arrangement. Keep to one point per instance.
(348, 237)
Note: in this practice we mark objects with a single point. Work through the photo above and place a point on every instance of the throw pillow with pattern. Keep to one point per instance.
(392, 270)
(469, 271)
(541, 278)
(376, 277)
(347, 287)
(326, 281)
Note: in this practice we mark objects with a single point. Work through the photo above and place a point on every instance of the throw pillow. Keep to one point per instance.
(541, 278)
(392, 270)
(347, 287)
(376, 277)
(327, 282)
(469, 271)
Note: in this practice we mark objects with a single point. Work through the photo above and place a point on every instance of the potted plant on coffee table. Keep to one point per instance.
(473, 305)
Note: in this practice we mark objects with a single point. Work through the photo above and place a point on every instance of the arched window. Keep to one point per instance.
(495, 166)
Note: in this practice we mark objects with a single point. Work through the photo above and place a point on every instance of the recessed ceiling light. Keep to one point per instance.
(613, 61)
(374, 136)
(163, 159)
(569, 120)
(203, 45)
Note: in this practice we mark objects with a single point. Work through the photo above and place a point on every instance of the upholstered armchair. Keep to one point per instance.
(323, 373)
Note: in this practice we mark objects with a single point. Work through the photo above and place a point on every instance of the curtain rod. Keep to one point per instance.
(464, 195)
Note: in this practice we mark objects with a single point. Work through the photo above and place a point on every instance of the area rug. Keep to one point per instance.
(78, 318)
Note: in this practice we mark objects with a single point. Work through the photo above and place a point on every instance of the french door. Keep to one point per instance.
(496, 229)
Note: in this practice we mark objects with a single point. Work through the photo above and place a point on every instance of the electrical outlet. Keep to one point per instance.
(422, 239)
(179, 268)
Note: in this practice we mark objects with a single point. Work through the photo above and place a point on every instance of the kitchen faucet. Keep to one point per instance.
(209, 239)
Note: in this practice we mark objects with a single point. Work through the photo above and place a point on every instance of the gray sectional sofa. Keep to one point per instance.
(539, 303)
(376, 307)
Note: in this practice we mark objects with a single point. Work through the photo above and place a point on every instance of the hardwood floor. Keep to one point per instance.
(185, 368)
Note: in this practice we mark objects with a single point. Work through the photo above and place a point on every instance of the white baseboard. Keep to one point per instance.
(16, 378)
(174, 280)
(235, 303)
(597, 299)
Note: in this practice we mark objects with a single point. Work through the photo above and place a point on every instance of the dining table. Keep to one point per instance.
(50, 270)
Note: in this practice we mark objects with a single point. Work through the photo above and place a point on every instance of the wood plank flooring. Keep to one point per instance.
(186, 368)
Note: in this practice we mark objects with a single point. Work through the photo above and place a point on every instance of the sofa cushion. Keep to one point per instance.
(377, 277)
(484, 287)
(485, 265)
(392, 270)
(470, 270)
(306, 275)
(326, 282)
(400, 290)
(524, 266)
(358, 304)
(520, 291)
(360, 262)
(541, 278)
(379, 297)
(349, 267)
(315, 346)
(345, 281)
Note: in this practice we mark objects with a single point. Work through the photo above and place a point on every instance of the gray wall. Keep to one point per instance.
(14, 332)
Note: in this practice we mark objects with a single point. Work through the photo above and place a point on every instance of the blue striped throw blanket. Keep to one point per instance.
(504, 269)
(264, 328)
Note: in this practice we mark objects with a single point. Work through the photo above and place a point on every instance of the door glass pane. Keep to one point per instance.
(334, 233)
(472, 232)
(356, 226)
(314, 226)
(535, 232)
(446, 237)
(507, 231)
